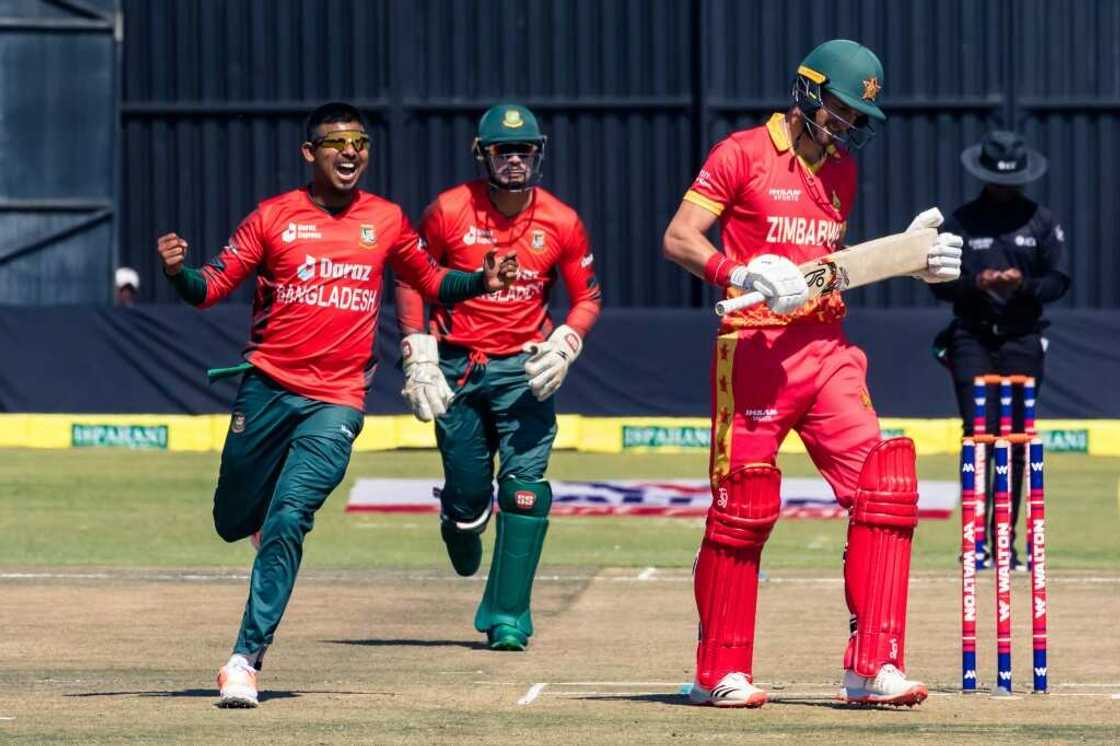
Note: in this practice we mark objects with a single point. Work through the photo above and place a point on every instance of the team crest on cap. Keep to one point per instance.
(537, 241)
(871, 88)
(367, 234)
(512, 119)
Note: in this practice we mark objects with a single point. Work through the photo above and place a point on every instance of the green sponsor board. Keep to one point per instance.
(1065, 441)
(649, 436)
(118, 436)
(892, 432)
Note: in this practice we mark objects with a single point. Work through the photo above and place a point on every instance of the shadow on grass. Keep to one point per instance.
(775, 701)
(264, 696)
(199, 694)
(412, 643)
(661, 699)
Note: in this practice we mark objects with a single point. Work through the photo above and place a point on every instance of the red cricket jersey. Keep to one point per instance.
(769, 201)
(318, 288)
(461, 225)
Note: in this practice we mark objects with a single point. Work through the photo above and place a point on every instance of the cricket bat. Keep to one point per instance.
(896, 255)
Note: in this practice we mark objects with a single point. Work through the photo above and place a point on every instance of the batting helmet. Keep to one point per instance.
(849, 71)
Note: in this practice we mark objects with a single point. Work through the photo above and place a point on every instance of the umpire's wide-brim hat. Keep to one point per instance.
(1002, 157)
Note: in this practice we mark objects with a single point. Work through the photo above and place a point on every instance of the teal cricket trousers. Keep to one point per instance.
(283, 455)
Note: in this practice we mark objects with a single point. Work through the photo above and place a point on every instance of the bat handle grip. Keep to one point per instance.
(728, 305)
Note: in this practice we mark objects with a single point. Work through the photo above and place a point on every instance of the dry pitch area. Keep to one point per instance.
(106, 638)
(128, 656)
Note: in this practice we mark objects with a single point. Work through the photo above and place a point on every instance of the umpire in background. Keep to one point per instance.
(1013, 263)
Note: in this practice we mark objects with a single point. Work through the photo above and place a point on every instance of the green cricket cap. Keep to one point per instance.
(508, 123)
(849, 71)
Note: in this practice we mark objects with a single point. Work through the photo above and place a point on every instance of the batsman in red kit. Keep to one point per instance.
(318, 253)
(489, 368)
(782, 193)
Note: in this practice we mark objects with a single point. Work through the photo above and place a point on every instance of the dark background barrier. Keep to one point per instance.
(211, 93)
(152, 359)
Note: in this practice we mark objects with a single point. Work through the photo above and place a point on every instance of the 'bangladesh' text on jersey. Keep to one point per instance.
(461, 225)
(318, 291)
(770, 202)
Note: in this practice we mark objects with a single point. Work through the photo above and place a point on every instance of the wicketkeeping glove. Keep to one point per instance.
(550, 359)
(425, 388)
(777, 278)
(943, 263)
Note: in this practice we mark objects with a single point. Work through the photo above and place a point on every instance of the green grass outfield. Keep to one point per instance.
(145, 509)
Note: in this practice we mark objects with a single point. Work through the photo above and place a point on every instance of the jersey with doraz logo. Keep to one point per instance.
(318, 293)
(770, 201)
(461, 226)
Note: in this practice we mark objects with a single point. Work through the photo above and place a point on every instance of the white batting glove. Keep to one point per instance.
(425, 388)
(550, 360)
(777, 278)
(943, 262)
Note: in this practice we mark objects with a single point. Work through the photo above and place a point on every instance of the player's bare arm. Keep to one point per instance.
(775, 277)
(686, 242)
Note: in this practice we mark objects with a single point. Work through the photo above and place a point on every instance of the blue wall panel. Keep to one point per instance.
(58, 165)
(632, 93)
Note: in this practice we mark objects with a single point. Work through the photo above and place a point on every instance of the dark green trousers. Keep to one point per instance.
(494, 412)
(283, 455)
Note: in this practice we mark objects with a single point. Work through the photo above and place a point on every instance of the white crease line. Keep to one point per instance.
(647, 574)
(534, 692)
(655, 577)
(5, 718)
(797, 689)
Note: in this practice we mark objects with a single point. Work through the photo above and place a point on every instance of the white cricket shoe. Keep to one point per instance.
(237, 684)
(733, 690)
(889, 687)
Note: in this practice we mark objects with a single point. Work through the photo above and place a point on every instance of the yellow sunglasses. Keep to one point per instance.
(341, 140)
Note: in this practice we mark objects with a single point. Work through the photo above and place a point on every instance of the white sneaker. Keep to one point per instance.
(237, 685)
(733, 690)
(889, 687)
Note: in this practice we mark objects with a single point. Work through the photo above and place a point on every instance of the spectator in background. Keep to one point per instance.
(1013, 264)
(128, 286)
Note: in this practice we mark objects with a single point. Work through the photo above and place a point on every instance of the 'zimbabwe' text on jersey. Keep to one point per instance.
(770, 202)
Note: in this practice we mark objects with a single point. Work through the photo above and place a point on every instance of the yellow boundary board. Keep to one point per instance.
(576, 432)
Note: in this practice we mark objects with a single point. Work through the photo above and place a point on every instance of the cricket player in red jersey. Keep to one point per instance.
(318, 254)
(489, 368)
(782, 193)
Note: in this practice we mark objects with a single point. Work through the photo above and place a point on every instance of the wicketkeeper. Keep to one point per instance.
(782, 194)
(488, 368)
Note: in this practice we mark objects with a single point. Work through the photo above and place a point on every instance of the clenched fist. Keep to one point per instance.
(172, 252)
(500, 273)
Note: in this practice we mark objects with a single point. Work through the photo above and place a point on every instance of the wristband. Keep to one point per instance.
(717, 270)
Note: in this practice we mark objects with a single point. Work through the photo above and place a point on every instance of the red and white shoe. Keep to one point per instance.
(888, 687)
(237, 684)
(733, 690)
